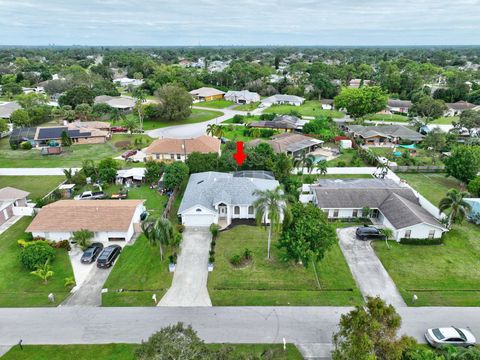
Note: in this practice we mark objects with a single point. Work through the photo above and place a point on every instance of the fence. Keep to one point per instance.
(419, 169)
(170, 202)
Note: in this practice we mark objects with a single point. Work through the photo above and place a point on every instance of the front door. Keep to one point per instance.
(222, 210)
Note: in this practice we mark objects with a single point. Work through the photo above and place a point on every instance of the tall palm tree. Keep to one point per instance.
(304, 162)
(271, 205)
(159, 232)
(457, 206)
(383, 167)
(211, 129)
(322, 167)
(140, 98)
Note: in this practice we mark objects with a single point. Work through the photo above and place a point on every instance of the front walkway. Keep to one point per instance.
(6, 225)
(189, 286)
(371, 277)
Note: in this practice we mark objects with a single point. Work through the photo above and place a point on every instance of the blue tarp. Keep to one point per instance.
(411, 146)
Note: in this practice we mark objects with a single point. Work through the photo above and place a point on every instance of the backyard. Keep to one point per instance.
(419, 157)
(309, 108)
(247, 107)
(387, 118)
(20, 288)
(37, 186)
(275, 282)
(440, 275)
(236, 133)
(198, 115)
(215, 104)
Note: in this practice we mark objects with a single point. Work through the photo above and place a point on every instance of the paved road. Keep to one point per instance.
(189, 287)
(33, 171)
(367, 270)
(193, 130)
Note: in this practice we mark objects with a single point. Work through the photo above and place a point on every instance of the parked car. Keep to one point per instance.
(128, 154)
(108, 256)
(450, 336)
(369, 232)
(90, 195)
(117, 129)
(91, 253)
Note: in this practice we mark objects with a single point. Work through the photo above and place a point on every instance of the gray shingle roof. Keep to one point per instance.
(209, 188)
(399, 103)
(389, 131)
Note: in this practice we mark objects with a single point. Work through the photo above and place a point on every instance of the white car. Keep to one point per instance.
(450, 336)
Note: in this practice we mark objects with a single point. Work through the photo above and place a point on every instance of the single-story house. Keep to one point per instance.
(293, 144)
(111, 221)
(122, 103)
(356, 83)
(383, 135)
(130, 176)
(392, 206)
(327, 104)
(6, 109)
(97, 125)
(474, 214)
(242, 97)
(280, 99)
(207, 94)
(455, 109)
(214, 197)
(281, 122)
(178, 149)
(125, 81)
(398, 106)
(78, 133)
(13, 202)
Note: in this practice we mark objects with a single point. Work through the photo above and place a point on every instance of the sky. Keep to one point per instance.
(239, 22)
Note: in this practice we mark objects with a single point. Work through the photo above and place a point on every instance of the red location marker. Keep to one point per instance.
(239, 156)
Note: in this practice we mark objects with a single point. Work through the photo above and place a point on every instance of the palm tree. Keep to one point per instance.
(271, 205)
(309, 163)
(140, 98)
(159, 232)
(304, 161)
(211, 129)
(322, 167)
(219, 131)
(454, 201)
(383, 167)
(44, 272)
(68, 175)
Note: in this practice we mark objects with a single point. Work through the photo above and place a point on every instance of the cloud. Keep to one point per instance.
(243, 22)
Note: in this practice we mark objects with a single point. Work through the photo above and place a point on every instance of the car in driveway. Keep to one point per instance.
(108, 256)
(451, 335)
(91, 253)
(368, 233)
(128, 154)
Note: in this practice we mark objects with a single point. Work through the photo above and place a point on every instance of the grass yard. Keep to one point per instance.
(309, 108)
(215, 104)
(140, 273)
(196, 117)
(246, 120)
(310, 178)
(125, 351)
(347, 158)
(274, 282)
(423, 157)
(247, 107)
(432, 186)
(235, 133)
(445, 120)
(388, 118)
(71, 157)
(37, 186)
(18, 288)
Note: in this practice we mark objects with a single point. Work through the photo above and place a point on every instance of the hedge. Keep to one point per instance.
(415, 241)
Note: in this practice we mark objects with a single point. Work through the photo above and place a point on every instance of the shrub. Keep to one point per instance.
(341, 164)
(214, 229)
(247, 254)
(64, 244)
(211, 252)
(180, 228)
(211, 259)
(415, 241)
(36, 255)
(26, 145)
(238, 119)
(236, 260)
(173, 258)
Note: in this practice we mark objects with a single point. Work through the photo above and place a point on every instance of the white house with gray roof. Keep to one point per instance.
(242, 97)
(392, 205)
(280, 99)
(215, 197)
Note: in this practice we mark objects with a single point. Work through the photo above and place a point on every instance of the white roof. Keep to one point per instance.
(206, 91)
(135, 173)
(283, 98)
(242, 95)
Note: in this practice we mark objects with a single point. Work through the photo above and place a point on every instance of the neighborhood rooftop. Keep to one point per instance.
(388, 131)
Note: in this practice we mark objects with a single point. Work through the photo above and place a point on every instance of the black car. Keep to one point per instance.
(108, 256)
(368, 232)
(91, 253)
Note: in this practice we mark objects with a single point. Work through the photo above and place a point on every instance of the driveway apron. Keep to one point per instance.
(371, 277)
(189, 286)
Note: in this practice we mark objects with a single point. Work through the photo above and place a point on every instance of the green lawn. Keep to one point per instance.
(445, 120)
(140, 273)
(247, 107)
(423, 157)
(125, 351)
(215, 104)
(37, 186)
(432, 186)
(345, 159)
(387, 118)
(17, 286)
(246, 120)
(274, 282)
(196, 117)
(71, 157)
(235, 133)
(309, 108)
(310, 178)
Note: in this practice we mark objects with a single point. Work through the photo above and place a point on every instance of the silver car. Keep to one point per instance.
(450, 336)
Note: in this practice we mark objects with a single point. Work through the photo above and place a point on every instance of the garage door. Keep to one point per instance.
(198, 220)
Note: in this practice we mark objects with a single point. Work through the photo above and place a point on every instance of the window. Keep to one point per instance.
(157, 156)
(250, 210)
(198, 210)
(236, 210)
(172, 156)
(408, 233)
(335, 213)
(179, 156)
(355, 213)
(431, 234)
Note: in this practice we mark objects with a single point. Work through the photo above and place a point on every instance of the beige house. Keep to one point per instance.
(78, 132)
(179, 149)
(207, 94)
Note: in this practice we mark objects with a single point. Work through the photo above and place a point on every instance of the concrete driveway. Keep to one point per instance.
(371, 277)
(189, 286)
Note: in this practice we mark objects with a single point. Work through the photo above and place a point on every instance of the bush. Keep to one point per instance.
(236, 260)
(64, 244)
(36, 255)
(214, 229)
(173, 258)
(247, 254)
(211, 259)
(180, 228)
(341, 164)
(237, 119)
(415, 241)
(26, 145)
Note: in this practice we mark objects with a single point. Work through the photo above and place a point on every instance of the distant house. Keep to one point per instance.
(126, 81)
(220, 198)
(280, 122)
(13, 202)
(383, 135)
(392, 206)
(455, 109)
(356, 83)
(207, 94)
(111, 221)
(398, 106)
(98, 125)
(242, 97)
(78, 133)
(474, 214)
(6, 109)
(280, 99)
(290, 143)
(122, 103)
(179, 149)
(130, 176)
(327, 104)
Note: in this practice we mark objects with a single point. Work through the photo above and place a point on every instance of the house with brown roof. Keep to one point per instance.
(293, 144)
(13, 202)
(455, 109)
(207, 94)
(109, 220)
(178, 149)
